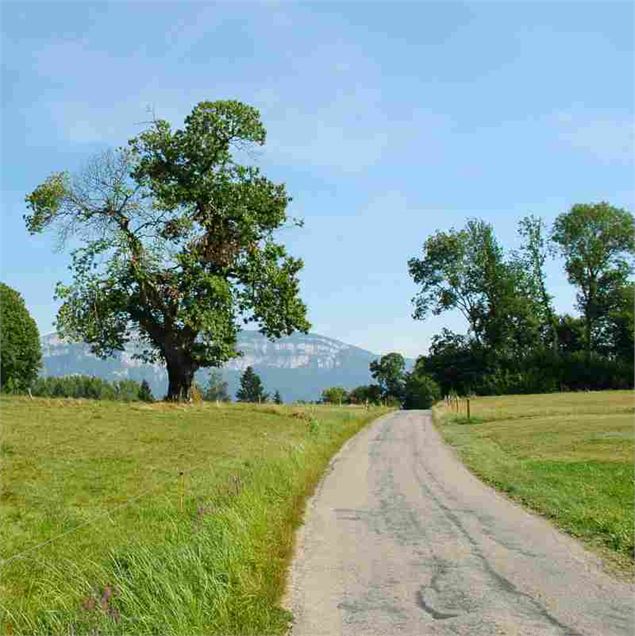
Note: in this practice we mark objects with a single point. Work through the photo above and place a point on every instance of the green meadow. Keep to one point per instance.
(162, 518)
(568, 456)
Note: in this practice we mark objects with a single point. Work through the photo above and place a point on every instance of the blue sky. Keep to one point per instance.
(386, 121)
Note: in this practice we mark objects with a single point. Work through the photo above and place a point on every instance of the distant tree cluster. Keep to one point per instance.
(516, 342)
(91, 388)
(394, 386)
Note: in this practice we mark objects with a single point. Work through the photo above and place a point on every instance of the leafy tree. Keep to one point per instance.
(145, 392)
(277, 398)
(370, 393)
(618, 326)
(177, 244)
(456, 362)
(389, 373)
(597, 242)
(533, 254)
(216, 389)
(465, 270)
(20, 352)
(334, 395)
(420, 391)
(251, 387)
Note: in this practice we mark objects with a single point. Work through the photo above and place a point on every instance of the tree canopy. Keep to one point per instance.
(20, 351)
(597, 242)
(177, 244)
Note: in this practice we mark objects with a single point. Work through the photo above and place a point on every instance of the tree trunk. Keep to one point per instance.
(180, 378)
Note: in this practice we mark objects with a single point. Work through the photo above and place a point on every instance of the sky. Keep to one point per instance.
(386, 121)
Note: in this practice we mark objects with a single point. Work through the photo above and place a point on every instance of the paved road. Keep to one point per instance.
(401, 539)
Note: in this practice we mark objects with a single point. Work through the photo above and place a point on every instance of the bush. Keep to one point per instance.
(20, 352)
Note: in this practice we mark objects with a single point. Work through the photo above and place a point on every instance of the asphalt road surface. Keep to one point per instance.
(401, 539)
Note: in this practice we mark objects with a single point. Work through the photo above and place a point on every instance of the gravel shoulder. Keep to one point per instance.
(400, 538)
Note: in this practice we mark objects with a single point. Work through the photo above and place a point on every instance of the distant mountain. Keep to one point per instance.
(300, 366)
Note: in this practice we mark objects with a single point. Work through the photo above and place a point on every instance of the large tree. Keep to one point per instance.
(465, 270)
(597, 242)
(177, 244)
(20, 352)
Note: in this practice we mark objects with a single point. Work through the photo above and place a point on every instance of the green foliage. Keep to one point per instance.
(420, 391)
(388, 371)
(465, 270)
(277, 398)
(335, 395)
(178, 244)
(216, 388)
(20, 353)
(534, 252)
(365, 394)
(597, 242)
(251, 389)
(91, 388)
(516, 343)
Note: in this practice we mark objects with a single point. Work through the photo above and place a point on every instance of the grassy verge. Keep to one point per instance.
(568, 456)
(189, 513)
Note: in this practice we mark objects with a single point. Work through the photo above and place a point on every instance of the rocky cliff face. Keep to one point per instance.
(300, 366)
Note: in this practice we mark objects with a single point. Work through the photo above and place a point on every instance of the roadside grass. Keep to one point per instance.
(568, 456)
(190, 513)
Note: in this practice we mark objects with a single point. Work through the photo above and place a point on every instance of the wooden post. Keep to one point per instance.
(468, 409)
(182, 475)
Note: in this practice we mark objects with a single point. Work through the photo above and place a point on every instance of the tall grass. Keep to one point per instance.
(203, 552)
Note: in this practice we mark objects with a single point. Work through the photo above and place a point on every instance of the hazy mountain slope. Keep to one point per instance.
(299, 366)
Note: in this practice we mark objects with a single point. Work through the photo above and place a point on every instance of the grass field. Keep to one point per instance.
(568, 456)
(160, 519)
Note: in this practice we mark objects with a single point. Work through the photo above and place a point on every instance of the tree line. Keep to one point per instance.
(179, 244)
(516, 342)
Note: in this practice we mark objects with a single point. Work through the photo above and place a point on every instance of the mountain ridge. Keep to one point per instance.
(300, 366)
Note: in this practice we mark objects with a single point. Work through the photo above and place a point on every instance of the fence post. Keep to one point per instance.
(468, 409)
